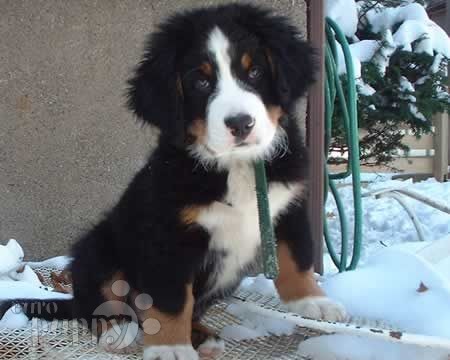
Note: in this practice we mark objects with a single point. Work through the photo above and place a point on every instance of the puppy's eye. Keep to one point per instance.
(202, 84)
(255, 73)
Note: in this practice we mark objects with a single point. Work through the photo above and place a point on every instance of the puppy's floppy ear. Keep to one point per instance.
(155, 91)
(292, 59)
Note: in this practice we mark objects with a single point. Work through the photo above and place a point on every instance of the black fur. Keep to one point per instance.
(142, 236)
(44, 309)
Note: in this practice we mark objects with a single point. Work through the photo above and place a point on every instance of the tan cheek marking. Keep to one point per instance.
(275, 114)
(293, 284)
(190, 214)
(197, 130)
(207, 69)
(175, 329)
(246, 61)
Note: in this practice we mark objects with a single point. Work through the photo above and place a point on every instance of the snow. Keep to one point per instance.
(258, 284)
(19, 281)
(415, 25)
(395, 286)
(385, 222)
(383, 56)
(436, 66)
(239, 333)
(383, 18)
(405, 85)
(254, 324)
(434, 39)
(416, 32)
(26, 275)
(387, 287)
(58, 262)
(14, 318)
(384, 287)
(422, 80)
(349, 347)
(408, 88)
(11, 256)
(24, 290)
(416, 113)
(362, 51)
(344, 13)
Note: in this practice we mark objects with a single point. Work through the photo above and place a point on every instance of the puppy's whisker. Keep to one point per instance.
(279, 146)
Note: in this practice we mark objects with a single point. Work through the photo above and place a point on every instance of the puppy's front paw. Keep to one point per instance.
(211, 349)
(170, 352)
(318, 308)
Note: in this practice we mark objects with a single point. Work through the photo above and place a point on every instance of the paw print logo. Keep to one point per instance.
(118, 322)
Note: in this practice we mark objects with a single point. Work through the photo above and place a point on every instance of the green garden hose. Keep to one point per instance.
(347, 103)
(268, 242)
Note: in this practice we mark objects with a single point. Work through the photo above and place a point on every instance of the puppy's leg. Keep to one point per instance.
(175, 252)
(173, 340)
(207, 342)
(300, 292)
(115, 333)
(296, 284)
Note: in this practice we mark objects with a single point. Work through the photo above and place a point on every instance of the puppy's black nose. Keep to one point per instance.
(240, 125)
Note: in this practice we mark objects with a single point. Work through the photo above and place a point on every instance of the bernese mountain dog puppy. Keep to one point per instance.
(221, 84)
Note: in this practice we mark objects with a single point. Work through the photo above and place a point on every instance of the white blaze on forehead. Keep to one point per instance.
(219, 45)
(231, 98)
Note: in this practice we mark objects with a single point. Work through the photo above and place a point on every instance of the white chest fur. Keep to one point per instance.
(234, 228)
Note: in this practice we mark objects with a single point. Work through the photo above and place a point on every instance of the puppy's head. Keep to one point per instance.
(218, 80)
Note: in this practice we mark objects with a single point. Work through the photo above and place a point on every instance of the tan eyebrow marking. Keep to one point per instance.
(206, 68)
(189, 214)
(197, 130)
(246, 61)
(275, 114)
(270, 60)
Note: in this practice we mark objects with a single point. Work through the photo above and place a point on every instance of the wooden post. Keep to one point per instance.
(447, 23)
(441, 147)
(316, 128)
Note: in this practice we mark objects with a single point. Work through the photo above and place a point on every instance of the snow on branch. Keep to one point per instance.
(400, 58)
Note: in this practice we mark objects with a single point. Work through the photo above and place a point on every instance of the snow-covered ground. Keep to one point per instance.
(348, 347)
(385, 222)
(395, 287)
